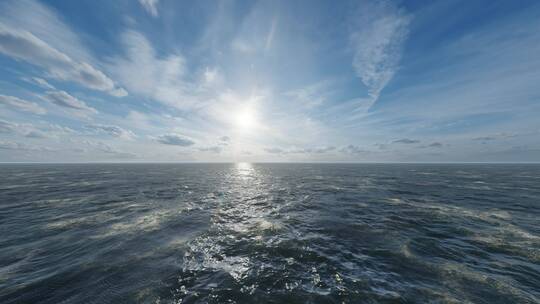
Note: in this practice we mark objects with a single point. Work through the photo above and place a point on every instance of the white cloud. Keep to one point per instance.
(150, 6)
(59, 130)
(63, 99)
(139, 120)
(379, 31)
(11, 145)
(317, 150)
(258, 31)
(211, 76)
(242, 46)
(312, 95)
(21, 104)
(36, 134)
(352, 149)
(321, 150)
(40, 82)
(104, 148)
(46, 130)
(270, 37)
(175, 140)
(23, 45)
(27, 130)
(111, 130)
(213, 149)
(160, 78)
(44, 23)
(7, 127)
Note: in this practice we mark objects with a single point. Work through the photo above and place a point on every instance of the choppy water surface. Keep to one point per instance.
(269, 233)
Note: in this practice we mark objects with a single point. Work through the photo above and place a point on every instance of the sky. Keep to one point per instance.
(269, 81)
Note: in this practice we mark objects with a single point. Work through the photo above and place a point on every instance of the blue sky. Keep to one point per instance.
(366, 81)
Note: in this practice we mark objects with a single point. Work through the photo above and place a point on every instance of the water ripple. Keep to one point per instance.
(272, 233)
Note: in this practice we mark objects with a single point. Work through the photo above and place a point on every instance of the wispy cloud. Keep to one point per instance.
(101, 147)
(142, 72)
(36, 134)
(43, 130)
(406, 141)
(497, 136)
(353, 149)
(312, 95)
(150, 6)
(45, 23)
(321, 150)
(212, 149)
(114, 131)
(23, 45)
(7, 127)
(490, 66)
(378, 32)
(279, 80)
(22, 105)
(44, 84)
(316, 150)
(435, 145)
(12, 145)
(484, 138)
(175, 140)
(258, 32)
(63, 99)
(270, 37)
(24, 129)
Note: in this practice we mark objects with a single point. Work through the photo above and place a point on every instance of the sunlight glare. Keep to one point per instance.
(244, 168)
(245, 118)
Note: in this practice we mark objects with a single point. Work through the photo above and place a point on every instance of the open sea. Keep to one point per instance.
(269, 233)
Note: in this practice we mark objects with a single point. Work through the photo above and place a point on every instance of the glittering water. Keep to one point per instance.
(269, 233)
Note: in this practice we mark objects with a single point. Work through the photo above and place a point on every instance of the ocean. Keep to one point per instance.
(269, 233)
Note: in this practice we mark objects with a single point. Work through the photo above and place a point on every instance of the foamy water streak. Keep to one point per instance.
(270, 233)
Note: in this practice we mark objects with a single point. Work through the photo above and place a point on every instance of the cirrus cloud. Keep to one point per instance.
(406, 141)
(145, 73)
(213, 149)
(175, 140)
(12, 145)
(63, 99)
(23, 45)
(111, 130)
(22, 105)
(377, 37)
(150, 6)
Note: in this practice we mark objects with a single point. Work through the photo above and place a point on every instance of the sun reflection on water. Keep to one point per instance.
(244, 169)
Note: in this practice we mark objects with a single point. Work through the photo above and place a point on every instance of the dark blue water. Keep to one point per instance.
(269, 233)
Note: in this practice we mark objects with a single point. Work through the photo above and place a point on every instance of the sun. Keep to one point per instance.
(245, 118)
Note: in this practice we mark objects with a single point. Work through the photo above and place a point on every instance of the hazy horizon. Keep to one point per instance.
(274, 162)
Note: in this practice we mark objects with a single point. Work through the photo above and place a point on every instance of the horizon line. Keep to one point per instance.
(272, 162)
